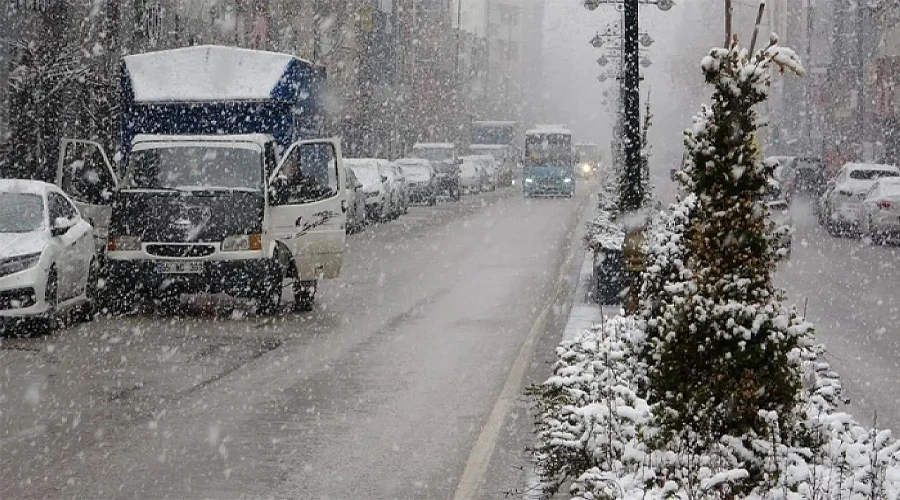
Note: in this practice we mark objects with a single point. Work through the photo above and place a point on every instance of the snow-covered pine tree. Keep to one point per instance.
(727, 345)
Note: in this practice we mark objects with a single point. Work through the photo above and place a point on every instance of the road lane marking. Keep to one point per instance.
(483, 450)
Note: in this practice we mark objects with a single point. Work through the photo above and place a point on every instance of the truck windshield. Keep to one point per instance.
(545, 149)
(195, 167)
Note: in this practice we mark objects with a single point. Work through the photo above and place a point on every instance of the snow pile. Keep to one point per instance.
(599, 435)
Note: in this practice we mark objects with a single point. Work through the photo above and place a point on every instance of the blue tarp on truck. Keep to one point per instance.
(221, 90)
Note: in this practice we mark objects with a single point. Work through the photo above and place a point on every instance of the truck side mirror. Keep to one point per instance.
(278, 191)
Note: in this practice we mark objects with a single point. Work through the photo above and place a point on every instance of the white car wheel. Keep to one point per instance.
(50, 320)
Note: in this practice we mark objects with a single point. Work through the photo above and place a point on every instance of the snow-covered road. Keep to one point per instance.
(853, 293)
(380, 393)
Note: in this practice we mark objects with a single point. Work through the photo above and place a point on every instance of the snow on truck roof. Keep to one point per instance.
(549, 129)
(207, 73)
(232, 138)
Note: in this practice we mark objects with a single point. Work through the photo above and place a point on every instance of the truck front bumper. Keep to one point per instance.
(240, 278)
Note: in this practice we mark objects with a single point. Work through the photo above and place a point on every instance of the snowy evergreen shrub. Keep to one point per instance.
(727, 356)
(665, 278)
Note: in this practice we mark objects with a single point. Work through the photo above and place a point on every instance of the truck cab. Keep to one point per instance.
(213, 213)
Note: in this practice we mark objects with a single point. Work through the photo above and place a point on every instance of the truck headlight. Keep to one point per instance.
(19, 263)
(567, 180)
(586, 168)
(123, 243)
(242, 243)
(529, 180)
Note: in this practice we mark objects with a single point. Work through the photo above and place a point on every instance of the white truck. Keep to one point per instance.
(218, 188)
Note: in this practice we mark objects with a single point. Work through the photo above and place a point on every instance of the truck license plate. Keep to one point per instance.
(179, 267)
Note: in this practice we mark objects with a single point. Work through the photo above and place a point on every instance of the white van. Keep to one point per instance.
(213, 213)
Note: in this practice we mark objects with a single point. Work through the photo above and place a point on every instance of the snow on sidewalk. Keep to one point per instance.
(584, 313)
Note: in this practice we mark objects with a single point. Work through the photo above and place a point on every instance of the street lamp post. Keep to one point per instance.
(632, 190)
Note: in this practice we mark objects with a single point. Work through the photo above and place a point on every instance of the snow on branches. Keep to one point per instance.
(600, 435)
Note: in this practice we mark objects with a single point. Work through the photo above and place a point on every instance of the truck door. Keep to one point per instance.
(307, 207)
(85, 174)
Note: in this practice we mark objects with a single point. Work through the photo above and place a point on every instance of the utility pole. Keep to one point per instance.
(487, 57)
(729, 11)
(807, 99)
(632, 190)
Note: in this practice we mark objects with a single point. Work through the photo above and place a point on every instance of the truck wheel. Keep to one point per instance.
(269, 298)
(304, 295)
(115, 298)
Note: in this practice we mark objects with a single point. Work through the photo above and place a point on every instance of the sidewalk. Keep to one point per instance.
(583, 315)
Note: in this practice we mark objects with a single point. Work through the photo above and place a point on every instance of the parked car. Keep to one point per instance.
(403, 184)
(421, 179)
(879, 212)
(445, 162)
(375, 186)
(470, 178)
(488, 166)
(840, 209)
(784, 173)
(395, 206)
(48, 263)
(356, 203)
(809, 176)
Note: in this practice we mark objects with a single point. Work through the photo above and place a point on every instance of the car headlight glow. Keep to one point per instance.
(567, 180)
(529, 180)
(123, 243)
(586, 168)
(19, 263)
(242, 243)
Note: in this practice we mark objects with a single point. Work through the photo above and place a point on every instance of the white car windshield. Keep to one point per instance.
(868, 175)
(20, 212)
(194, 167)
(366, 173)
(416, 174)
(434, 154)
(468, 168)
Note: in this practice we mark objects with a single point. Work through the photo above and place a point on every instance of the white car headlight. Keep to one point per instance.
(585, 167)
(19, 263)
(529, 180)
(567, 180)
(123, 243)
(242, 243)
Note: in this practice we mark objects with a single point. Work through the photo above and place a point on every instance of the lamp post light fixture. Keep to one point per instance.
(632, 189)
(602, 61)
(646, 62)
(646, 40)
(597, 41)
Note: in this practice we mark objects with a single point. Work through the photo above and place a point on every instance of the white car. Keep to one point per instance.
(469, 177)
(841, 202)
(375, 185)
(48, 262)
(488, 166)
(879, 212)
(395, 187)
